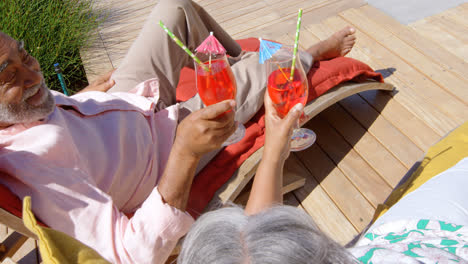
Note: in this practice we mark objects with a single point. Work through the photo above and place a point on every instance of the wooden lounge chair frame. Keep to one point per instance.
(16, 239)
(231, 189)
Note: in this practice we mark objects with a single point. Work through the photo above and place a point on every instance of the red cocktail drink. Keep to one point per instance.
(285, 93)
(217, 84)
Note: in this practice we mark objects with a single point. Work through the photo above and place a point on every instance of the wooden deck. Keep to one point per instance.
(366, 142)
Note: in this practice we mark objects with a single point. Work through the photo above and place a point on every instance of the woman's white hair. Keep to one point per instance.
(281, 234)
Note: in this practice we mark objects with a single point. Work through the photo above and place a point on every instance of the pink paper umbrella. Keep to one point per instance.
(211, 45)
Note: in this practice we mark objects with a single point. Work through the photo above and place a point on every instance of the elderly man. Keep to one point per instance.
(90, 159)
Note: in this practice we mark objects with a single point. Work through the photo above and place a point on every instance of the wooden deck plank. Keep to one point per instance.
(233, 13)
(405, 121)
(374, 187)
(451, 26)
(416, 130)
(389, 136)
(437, 34)
(379, 100)
(404, 96)
(426, 46)
(328, 220)
(285, 39)
(323, 210)
(236, 10)
(309, 16)
(344, 194)
(122, 25)
(379, 58)
(429, 69)
(291, 8)
(307, 39)
(407, 155)
(366, 145)
(458, 14)
(283, 12)
(251, 20)
(280, 12)
(206, 2)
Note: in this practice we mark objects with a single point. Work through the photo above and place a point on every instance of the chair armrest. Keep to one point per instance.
(15, 223)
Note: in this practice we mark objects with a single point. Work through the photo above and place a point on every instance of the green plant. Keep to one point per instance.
(53, 31)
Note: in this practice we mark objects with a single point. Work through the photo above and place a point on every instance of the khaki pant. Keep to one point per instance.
(154, 54)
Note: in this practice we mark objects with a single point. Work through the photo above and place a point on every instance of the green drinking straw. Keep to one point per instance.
(58, 70)
(296, 43)
(183, 46)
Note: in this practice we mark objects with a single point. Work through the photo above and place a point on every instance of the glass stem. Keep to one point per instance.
(297, 132)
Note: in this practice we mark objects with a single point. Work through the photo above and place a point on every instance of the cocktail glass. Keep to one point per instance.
(216, 83)
(285, 92)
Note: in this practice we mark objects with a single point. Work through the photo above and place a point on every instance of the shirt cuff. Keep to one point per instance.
(169, 222)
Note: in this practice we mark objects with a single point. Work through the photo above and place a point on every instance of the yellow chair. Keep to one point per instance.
(57, 247)
(440, 157)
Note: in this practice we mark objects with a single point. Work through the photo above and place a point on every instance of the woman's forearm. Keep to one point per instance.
(267, 185)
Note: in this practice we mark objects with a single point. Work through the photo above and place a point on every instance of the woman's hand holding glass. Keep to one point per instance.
(278, 130)
(286, 88)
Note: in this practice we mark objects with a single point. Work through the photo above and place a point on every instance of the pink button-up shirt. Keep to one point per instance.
(97, 157)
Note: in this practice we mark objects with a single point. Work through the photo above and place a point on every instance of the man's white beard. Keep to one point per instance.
(23, 112)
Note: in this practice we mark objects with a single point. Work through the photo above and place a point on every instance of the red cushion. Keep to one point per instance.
(322, 76)
(9, 201)
(326, 74)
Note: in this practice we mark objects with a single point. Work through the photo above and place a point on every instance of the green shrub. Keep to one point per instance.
(53, 31)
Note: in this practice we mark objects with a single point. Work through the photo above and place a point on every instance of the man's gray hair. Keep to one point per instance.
(281, 234)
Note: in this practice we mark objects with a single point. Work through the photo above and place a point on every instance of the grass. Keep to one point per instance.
(54, 31)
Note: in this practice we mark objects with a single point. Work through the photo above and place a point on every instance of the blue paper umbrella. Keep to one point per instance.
(267, 49)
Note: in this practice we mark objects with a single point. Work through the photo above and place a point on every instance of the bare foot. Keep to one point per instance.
(339, 44)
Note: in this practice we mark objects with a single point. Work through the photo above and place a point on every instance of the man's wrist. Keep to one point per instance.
(178, 175)
(183, 153)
